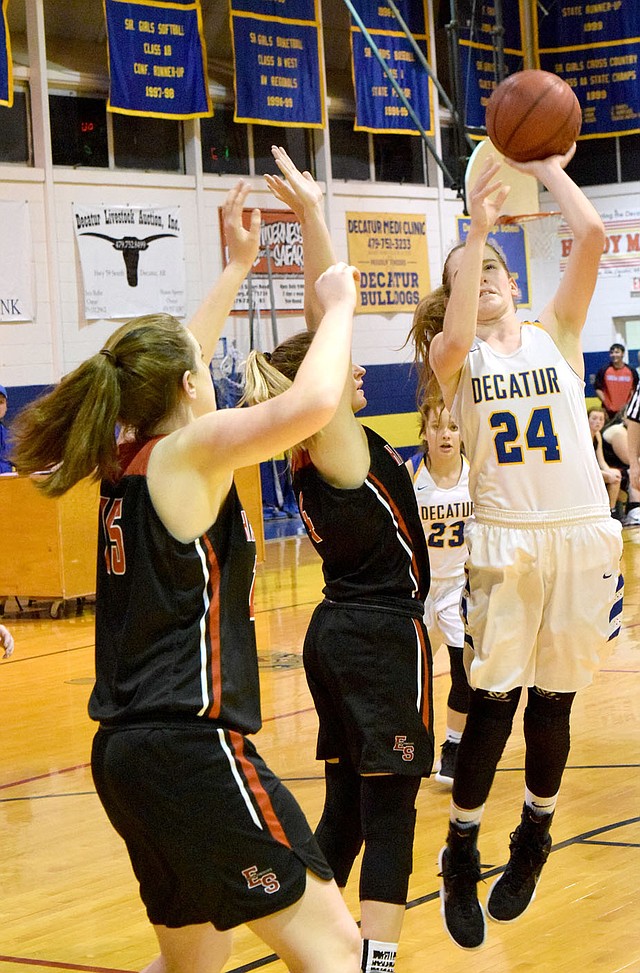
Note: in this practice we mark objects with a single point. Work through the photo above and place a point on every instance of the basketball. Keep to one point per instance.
(532, 115)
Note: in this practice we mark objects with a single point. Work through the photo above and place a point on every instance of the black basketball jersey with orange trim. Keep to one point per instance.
(370, 539)
(175, 632)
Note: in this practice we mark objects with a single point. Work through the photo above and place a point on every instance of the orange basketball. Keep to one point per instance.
(532, 115)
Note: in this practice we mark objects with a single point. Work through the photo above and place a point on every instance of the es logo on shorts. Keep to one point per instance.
(407, 749)
(266, 879)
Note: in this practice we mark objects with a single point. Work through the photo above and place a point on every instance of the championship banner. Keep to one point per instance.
(378, 107)
(278, 69)
(390, 251)
(510, 239)
(476, 46)
(276, 280)
(595, 48)
(132, 260)
(157, 59)
(16, 261)
(6, 64)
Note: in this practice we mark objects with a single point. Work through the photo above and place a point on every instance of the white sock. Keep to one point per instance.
(454, 736)
(465, 819)
(378, 957)
(540, 805)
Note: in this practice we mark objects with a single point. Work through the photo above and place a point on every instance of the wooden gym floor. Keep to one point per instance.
(68, 898)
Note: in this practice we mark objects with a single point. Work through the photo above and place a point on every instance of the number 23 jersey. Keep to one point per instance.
(523, 422)
(443, 513)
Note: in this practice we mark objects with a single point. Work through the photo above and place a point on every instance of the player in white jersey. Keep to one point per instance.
(440, 476)
(543, 590)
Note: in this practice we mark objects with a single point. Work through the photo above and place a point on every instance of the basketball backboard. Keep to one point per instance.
(523, 198)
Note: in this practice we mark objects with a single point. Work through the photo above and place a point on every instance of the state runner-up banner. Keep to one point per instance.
(157, 59)
(6, 66)
(132, 260)
(16, 263)
(595, 48)
(276, 280)
(390, 251)
(278, 74)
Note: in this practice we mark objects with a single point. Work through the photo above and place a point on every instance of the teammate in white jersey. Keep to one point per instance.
(440, 476)
(543, 590)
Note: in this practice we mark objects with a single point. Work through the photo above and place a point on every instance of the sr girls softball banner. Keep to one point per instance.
(378, 105)
(278, 70)
(157, 59)
(6, 70)
(476, 53)
(132, 260)
(595, 48)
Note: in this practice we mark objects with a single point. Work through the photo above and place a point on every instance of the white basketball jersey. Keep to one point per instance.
(443, 513)
(524, 426)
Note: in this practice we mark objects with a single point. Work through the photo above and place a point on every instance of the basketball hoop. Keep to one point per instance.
(541, 232)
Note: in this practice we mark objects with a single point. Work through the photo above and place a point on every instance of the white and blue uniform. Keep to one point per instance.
(543, 589)
(444, 511)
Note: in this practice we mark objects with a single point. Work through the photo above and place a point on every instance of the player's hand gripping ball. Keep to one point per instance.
(533, 115)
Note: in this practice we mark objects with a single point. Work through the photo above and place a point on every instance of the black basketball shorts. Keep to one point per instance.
(370, 674)
(212, 833)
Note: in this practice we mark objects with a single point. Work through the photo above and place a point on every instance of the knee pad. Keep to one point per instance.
(488, 727)
(459, 693)
(339, 831)
(388, 826)
(547, 735)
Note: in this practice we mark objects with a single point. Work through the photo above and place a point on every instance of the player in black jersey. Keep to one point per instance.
(214, 838)
(366, 653)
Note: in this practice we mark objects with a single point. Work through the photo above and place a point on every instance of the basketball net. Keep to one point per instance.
(541, 232)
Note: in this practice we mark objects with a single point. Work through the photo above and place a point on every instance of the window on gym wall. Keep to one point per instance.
(78, 130)
(448, 148)
(629, 158)
(15, 144)
(152, 144)
(298, 142)
(349, 150)
(399, 158)
(595, 162)
(225, 146)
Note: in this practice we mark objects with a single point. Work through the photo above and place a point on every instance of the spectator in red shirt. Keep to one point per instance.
(615, 382)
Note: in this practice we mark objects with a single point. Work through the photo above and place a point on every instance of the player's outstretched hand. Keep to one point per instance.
(337, 285)
(300, 192)
(487, 196)
(242, 243)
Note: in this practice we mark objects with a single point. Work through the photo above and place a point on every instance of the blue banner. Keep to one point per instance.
(479, 80)
(376, 15)
(476, 52)
(278, 9)
(6, 67)
(510, 240)
(595, 48)
(379, 107)
(157, 59)
(278, 71)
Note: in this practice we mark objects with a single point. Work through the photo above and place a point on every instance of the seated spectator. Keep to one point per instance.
(615, 448)
(615, 382)
(5, 464)
(612, 475)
